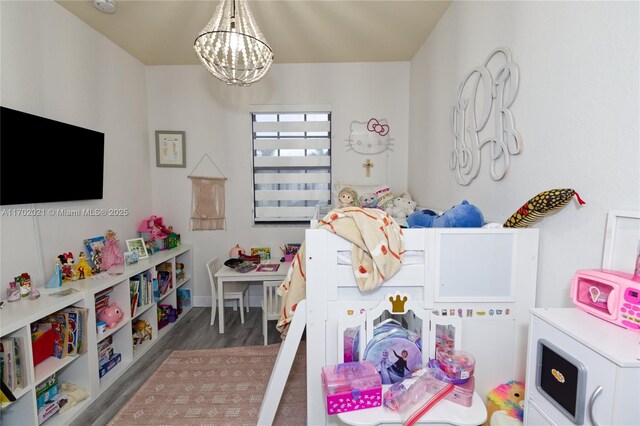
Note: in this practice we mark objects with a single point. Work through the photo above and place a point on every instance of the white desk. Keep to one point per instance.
(229, 274)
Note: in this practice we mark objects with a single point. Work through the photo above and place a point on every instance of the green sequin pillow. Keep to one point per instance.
(539, 206)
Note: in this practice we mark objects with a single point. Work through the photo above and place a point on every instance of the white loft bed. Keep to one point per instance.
(484, 270)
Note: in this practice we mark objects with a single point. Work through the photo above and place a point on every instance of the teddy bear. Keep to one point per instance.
(463, 215)
(402, 207)
(369, 200)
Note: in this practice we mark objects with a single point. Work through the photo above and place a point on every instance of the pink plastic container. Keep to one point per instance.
(457, 365)
(461, 394)
(351, 386)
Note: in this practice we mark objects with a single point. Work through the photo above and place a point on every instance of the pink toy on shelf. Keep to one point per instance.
(152, 229)
(351, 386)
(111, 315)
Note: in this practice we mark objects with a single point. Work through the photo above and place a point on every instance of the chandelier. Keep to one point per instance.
(231, 46)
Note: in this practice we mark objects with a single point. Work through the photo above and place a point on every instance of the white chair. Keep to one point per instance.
(270, 304)
(235, 291)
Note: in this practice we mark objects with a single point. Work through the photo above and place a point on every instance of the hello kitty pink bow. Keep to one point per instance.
(374, 126)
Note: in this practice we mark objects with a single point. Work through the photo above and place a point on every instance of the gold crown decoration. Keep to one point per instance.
(397, 304)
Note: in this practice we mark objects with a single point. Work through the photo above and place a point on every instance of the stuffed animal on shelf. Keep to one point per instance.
(369, 200)
(402, 207)
(505, 404)
(347, 198)
(463, 215)
(141, 331)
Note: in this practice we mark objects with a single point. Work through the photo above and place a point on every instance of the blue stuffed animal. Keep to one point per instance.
(463, 215)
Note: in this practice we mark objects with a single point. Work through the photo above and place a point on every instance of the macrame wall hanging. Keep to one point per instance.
(207, 200)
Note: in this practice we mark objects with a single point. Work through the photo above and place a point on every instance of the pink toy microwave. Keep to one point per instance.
(351, 386)
(611, 295)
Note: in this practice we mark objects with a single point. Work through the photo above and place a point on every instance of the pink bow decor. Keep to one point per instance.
(374, 126)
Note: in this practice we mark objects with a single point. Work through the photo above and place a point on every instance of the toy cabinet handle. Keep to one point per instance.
(592, 401)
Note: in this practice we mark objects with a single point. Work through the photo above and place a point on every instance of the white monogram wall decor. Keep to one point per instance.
(472, 111)
(369, 138)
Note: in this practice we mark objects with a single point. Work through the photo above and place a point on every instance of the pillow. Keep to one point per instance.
(385, 197)
(541, 205)
(360, 190)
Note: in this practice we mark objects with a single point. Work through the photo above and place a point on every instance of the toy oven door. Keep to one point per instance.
(561, 379)
(598, 296)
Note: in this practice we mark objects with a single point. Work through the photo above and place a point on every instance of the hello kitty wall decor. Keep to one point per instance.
(471, 112)
(371, 137)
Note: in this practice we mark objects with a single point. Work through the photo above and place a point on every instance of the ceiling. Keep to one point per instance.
(162, 32)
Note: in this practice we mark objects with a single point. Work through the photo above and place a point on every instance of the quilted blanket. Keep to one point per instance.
(376, 254)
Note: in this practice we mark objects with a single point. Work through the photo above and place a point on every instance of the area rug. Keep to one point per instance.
(216, 387)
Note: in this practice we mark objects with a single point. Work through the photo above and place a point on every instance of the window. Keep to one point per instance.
(291, 165)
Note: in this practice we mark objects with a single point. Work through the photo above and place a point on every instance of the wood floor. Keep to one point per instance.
(192, 332)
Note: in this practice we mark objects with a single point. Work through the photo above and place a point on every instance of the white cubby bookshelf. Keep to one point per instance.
(83, 370)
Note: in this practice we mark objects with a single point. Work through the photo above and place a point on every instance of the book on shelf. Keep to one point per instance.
(102, 299)
(184, 299)
(19, 357)
(5, 393)
(47, 411)
(268, 267)
(9, 364)
(46, 390)
(108, 366)
(77, 320)
(105, 343)
(60, 320)
(13, 356)
(134, 304)
(104, 292)
(105, 356)
(164, 282)
(141, 290)
(156, 290)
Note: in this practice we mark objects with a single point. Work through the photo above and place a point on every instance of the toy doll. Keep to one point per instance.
(112, 257)
(347, 198)
(82, 267)
(67, 262)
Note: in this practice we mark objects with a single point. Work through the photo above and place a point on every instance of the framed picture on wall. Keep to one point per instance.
(170, 149)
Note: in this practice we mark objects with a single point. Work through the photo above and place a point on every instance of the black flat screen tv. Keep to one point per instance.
(62, 162)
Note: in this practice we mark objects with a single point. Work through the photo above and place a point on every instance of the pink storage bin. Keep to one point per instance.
(351, 386)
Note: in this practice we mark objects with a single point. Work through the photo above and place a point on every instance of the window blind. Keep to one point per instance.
(291, 165)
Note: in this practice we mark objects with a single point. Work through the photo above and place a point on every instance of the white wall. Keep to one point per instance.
(576, 109)
(56, 66)
(216, 120)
